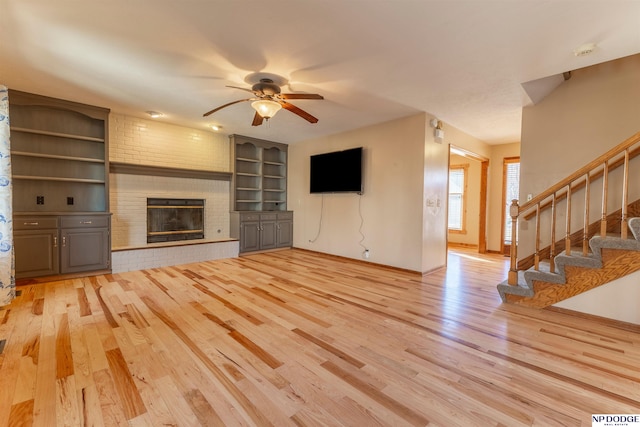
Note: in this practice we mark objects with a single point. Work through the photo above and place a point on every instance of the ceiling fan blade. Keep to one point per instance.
(301, 96)
(242, 88)
(257, 120)
(295, 110)
(225, 105)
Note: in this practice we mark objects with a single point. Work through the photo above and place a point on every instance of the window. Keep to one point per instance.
(511, 191)
(457, 197)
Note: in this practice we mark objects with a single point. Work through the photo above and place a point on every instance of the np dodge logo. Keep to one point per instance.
(615, 420)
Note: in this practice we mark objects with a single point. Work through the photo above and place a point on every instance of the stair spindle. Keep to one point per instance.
(536, 257)
(625, 196)
(552, 249)
(587, 200)
(605, 193)
(567, 238)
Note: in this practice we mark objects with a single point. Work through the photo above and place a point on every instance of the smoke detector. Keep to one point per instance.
(585, 49)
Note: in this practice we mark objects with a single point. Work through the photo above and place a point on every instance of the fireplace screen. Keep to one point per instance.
(174, 219)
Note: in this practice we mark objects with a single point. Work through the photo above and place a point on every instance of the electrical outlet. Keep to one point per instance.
(366, 254)
(39, 200)
(69, 200)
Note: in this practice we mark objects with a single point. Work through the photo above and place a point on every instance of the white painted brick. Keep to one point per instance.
(146, 142)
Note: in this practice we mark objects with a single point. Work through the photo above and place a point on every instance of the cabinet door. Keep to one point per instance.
(36, 253)
(268, 235)
(285, 233)
(84, 249)
(249, 236)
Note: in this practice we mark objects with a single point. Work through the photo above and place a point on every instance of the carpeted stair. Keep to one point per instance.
(610, 258)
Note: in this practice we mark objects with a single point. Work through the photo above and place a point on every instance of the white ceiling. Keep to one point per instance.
(372, 60)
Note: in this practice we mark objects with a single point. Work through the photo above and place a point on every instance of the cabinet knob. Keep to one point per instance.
(55, 241)
(64, 241)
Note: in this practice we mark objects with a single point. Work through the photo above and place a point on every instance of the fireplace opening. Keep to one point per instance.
(174, 219)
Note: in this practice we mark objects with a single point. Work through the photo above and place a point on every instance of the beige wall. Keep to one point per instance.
(583, 118)
(587, 115)
(387, 218)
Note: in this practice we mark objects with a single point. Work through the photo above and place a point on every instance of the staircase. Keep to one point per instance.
(598, 253)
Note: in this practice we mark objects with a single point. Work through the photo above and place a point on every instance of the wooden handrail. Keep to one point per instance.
(582, 177)
(582, 171)
(577, 185)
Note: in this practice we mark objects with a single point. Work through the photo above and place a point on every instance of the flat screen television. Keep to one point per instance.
(336, 172)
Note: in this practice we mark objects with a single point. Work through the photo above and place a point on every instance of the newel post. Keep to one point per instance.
(514, 211)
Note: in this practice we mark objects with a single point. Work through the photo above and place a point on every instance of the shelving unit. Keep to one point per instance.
(60, 167)
(259, 174)
(259, 194)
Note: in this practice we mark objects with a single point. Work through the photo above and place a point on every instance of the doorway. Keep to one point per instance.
(467, 204)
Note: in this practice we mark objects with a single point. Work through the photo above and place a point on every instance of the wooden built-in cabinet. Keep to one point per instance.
(259, 178)
(258, 231)
(259, 194)
(59, 153)
(47, 245)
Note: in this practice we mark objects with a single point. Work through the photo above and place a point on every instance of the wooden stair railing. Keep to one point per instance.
(600, 167)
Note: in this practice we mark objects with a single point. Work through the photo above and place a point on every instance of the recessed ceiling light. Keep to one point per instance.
(154, 114)
(216, 127)
(584, 49)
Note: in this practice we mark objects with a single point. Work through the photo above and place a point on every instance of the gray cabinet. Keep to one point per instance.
(59, 155)
(259, 179)
(246, 228)
(285, 229)
(35, 242)
(61, 244)
(258, 231)
(60, 170)
(268, 231)
(84, 243)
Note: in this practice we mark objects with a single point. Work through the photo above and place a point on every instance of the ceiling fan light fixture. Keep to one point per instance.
(266, 108)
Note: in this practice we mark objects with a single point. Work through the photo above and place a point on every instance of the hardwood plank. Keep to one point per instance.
(130, 397)
(295, 337)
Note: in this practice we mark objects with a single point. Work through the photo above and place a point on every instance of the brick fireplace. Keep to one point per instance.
(154, 160)
(170, 220)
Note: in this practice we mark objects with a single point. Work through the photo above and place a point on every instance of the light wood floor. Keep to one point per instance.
(294, 338)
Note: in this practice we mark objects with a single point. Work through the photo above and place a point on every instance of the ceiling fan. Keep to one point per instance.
(268, 100)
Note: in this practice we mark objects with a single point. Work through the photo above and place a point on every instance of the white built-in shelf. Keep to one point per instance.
(248, 189)
(274, 163)
(246, 159)
(273, 176)
(56, 157)
(247, 174)
(273, 190)
(57, 134)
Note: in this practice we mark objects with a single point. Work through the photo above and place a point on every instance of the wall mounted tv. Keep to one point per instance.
(336, 172)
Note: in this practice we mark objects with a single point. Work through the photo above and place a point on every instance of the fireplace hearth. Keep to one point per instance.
(174, 219)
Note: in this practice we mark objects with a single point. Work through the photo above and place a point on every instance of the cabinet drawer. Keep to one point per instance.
(249, 217)
(88, 221)
(268, 217)
(285, 215)
(35, 222)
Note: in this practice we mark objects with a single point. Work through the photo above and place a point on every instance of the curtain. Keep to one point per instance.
(7, 266)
